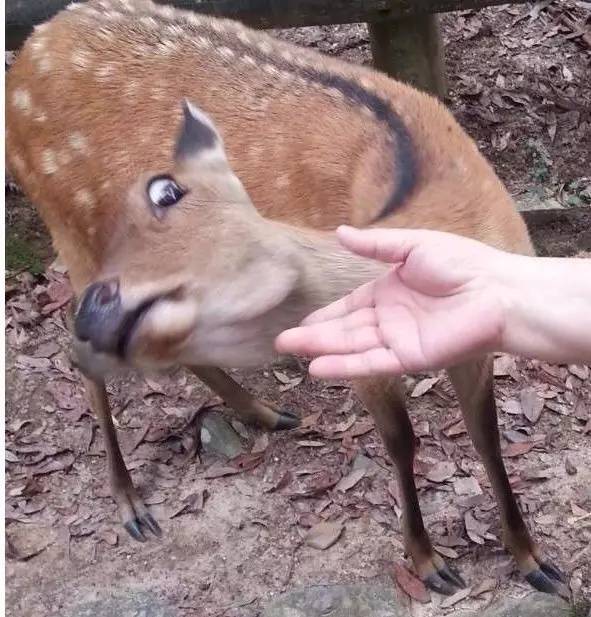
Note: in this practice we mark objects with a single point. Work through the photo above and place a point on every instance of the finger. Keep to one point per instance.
(332, 337)
(362, 297)
(388, 245)
(378, 361)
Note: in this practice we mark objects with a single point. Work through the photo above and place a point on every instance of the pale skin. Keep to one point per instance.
(446, 299)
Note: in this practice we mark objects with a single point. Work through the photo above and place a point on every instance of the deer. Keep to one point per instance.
(191, 172)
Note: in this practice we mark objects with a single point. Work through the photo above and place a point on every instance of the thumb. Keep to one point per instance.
(388, 245)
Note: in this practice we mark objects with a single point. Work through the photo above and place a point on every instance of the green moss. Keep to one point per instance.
(22, 255)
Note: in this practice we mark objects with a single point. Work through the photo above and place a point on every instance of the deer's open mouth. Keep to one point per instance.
(130, 324)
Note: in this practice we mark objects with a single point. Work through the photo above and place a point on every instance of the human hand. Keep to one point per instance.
(439, 304)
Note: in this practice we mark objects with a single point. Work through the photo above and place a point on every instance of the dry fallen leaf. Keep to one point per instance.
(505, 365)
(517, 449)
(350, 480)
(446, 551)
(442, 471)
(580, 371)
(488, 584)
(474, 528)
(218, 471)
(424, 386)
(467, 486)
(456, 597)
(531, 404)
(512, 407)
(410, 584)
(191, 503)
(323, 535)
(457, 428)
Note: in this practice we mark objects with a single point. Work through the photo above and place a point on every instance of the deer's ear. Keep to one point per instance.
(198, 138)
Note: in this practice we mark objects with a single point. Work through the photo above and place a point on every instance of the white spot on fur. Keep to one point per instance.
(270, 69)
(130, 89)
(175, 30)
(48, 162)
(366, 111)
(248, 60)
(202, 42)
(38, 45)
(226, 52)
(334, 93)
(73, 6)
(21, 99)
(287, 56)
(286, 75)
(255, 152)
(104, 72)
(40, 117)
(44, 64)
(105, 34)
(114, 16)
(80, 59)
(78, 142)
(243, 37)
(217, 26)
(149, 22)
(264, 47)
(282, 181)
(194, 19)
(84, 198)
(166, 11)
(365, 83)
(167, 46)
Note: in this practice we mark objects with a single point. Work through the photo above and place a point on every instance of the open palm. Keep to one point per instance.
(433, 309)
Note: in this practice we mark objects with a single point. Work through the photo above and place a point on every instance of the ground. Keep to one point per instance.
(519, 83)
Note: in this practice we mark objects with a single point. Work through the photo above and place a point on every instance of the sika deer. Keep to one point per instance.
(170, 260)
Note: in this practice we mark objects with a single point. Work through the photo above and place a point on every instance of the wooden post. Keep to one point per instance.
(411, 50)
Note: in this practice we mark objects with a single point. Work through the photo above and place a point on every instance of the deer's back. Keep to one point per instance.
(94, 100)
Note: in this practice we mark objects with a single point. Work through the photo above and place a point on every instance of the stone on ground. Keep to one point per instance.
(337, 601)
(218, 437)
(133, 604)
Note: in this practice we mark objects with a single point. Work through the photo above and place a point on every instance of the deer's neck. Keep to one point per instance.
(329, 271)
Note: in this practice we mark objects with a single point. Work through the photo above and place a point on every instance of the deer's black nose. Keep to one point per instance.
(100, 317)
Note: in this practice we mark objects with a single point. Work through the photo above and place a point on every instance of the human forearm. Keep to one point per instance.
(548, 309)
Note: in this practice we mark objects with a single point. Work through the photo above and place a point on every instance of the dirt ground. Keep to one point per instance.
(520, 83)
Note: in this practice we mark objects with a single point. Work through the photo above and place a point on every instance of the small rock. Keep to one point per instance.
(570, 467)
(337, 601)
(132, 604)
(218, 437)
(535, 604)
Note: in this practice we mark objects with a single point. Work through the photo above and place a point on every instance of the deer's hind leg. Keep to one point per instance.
(473, 382)
(384, 399)
(248, 407)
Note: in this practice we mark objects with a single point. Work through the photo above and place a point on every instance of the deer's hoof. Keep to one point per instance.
(548, 579)
(445, 581)
(287, 420)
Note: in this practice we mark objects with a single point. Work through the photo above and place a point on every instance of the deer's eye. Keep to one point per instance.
(164, 192)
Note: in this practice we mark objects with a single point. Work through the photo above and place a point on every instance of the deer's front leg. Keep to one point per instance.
(133, 512)
(384, 399)
(473, 383)
(243, 402)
